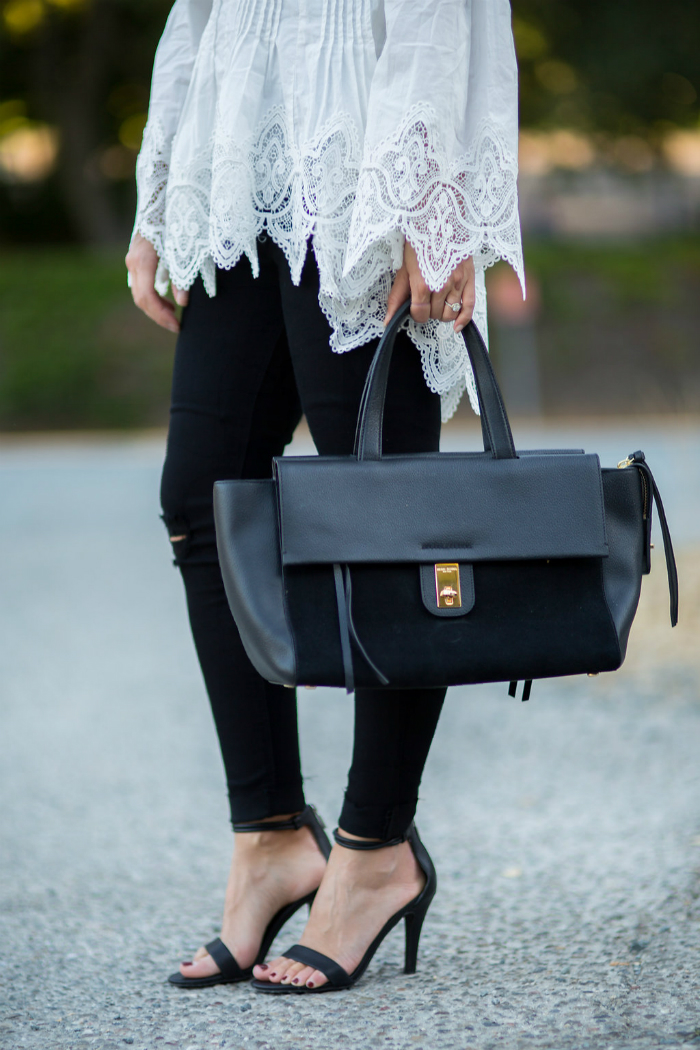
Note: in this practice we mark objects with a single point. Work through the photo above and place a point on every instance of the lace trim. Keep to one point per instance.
(208, 214)
(152, 168)
(447, 210)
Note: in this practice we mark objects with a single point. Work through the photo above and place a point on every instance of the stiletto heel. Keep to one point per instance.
(414, 925)
(229, 970)
(413, 914)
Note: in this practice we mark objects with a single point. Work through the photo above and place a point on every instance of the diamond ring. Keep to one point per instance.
(455, 307)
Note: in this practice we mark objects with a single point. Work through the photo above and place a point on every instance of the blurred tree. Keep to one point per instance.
(83, 67)
(624, 67)
(79, 70)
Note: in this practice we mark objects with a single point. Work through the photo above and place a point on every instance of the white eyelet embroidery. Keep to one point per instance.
(355, 210)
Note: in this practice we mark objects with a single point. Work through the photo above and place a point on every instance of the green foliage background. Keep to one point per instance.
(74, 351)
(617, 333)
(636, 64)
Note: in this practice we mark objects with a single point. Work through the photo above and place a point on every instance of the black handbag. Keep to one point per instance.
(438, 569)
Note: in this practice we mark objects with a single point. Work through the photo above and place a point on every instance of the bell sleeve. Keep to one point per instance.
(439, 164)
(172, 71)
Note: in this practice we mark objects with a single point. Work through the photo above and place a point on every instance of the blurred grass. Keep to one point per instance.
(618, 332)
(74, 350)
(619, 325)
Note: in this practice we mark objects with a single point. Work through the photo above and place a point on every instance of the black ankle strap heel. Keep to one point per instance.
(308, 818)
(412, 913)
(229, 970)
(367, 843)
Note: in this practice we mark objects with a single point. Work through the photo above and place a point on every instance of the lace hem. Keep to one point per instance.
(152, 169)
(447, 210)
(208, 214)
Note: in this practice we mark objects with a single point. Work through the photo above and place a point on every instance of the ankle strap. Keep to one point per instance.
(307, 816)
(360, 844)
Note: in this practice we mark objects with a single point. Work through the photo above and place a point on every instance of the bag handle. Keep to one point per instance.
(495, 427)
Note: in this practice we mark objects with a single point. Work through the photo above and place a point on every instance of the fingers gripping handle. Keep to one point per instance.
(494, 420)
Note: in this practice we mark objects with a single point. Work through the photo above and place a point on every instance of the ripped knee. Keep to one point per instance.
(179, 535)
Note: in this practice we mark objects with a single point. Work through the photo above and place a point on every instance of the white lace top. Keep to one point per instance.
(352, 123)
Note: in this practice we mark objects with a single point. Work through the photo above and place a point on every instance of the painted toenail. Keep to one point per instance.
(295, 981)
(273, 975)
(309, 984)
(264, 966)
(188, 964)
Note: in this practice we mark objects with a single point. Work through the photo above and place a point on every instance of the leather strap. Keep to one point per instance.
(364, 845)
(353, 633)
(223, 958)
(527, 689)
(343, 597)
(638, 459)
(293, 824)
(344, 625)
(494, 420)
(303, 819)
(336, 974)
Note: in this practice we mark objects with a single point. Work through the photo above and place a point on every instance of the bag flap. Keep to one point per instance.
(439, 507)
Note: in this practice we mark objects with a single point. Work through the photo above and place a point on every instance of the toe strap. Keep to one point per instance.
(223, 958)
(330, 969)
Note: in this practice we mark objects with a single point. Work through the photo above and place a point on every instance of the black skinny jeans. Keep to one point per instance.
(248, 362)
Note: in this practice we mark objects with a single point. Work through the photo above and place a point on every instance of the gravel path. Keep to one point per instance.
(566, 831)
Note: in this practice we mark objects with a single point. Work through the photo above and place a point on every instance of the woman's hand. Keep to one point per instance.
(409, 284)
(142, 263)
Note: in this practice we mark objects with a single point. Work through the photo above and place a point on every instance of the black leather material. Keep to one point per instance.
(622, 570)
(639, 460)
(328, 967)
(498, 439)
(329, 567)
(308, 818)
(247, 537)
(439, 508)
(429, 592)
(368, 844)
(354, 636)
(341, 600)
(224, 960)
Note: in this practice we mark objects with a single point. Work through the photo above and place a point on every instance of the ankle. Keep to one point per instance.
(275, 841)
(356, 838)
(250, 831)
(277, 819)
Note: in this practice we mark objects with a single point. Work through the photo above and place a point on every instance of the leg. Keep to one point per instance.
(234, 407)
(393, 728)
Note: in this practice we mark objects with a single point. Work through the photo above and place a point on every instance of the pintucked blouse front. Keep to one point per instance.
(353, 124)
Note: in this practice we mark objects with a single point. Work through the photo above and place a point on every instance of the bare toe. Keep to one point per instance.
(292, 972)
(302, 977)
(201, 966)
(316, 979)
(275, 970)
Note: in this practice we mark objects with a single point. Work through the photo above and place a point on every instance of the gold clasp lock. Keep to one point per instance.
(625, 463)
(447, 589)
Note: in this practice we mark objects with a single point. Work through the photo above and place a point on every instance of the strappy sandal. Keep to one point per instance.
(230, 971)
(413, 913)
